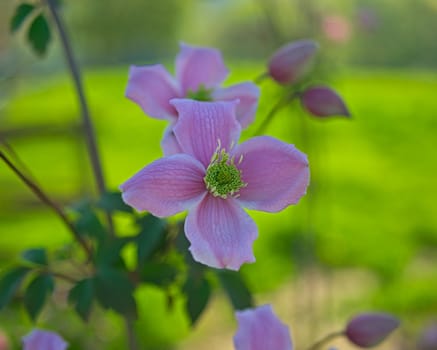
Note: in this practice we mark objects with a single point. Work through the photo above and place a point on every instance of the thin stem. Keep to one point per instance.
(49, 202)
(131, 338)
(325, 339)
(86, 119)
(275, 109)
(260, 77)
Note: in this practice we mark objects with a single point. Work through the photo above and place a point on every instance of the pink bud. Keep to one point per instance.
(428, 338)
(292, 61)
(368, 330)
(322, 101)
(43, 340)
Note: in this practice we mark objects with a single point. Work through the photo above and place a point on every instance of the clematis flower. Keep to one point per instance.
(199, 74)
(214, 178)
(260, 329)
(43, 340)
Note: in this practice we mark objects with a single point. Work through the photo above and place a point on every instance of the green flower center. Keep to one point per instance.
(222, 177)
(203, 94)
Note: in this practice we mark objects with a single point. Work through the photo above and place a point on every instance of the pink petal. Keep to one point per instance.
(260, 329)
(196, 66)
(43, 340)
(152, 87)
(202, 124)
(247, 94)
(276, 174)
(169, 143)
(221, 233)
(322, 101)
(167, 186)
(293, 60)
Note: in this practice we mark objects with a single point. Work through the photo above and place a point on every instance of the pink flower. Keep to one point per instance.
(199, 73)
(292, 61)
(213, 178)
(43, 340)
(260, 329)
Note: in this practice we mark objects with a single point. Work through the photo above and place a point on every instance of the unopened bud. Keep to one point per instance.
(368, 330)
(428, 338)
(322, 101)
(292, 61)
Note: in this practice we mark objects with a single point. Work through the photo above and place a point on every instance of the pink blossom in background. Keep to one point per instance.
(336, 28)
(43, 340)
(4, 341)
(260, 329)
(213, 178)
(199, 73)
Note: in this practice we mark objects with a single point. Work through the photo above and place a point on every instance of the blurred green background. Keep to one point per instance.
(364, 238)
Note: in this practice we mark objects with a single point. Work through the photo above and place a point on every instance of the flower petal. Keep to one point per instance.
(199, 66)
(39, 339)
(167, 186)
(247, 94)
(260, 329)
(152, 87)
(221, 233)
(276, 174)
(201, 124)
(169, 143)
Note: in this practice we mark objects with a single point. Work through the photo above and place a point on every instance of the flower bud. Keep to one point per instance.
(292, 61)
(322, 101)
(368, 330)
(43, 340)
(428, 338)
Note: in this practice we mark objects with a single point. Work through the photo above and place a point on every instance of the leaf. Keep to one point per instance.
(36, 294)
(112, 201)
(198, 292)
(150, 237)
(160, 274)
(39, 34)
(236, 289)
(114, 291)
(20, 15)
(88, 223)
(36, 256)
(109, 252)
(10, 282)
(81, 296)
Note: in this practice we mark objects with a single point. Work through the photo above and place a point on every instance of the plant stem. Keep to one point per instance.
(86, 119)
(49, 202)
(260, 78)
(325, 339)
(131, 339)
(275, 109)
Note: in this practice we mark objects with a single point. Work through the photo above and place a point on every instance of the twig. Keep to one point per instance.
(49, 202)
(325, 339)
(86, 119)
(132, 340)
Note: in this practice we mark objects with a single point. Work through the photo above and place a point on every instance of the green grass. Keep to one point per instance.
(372, 198)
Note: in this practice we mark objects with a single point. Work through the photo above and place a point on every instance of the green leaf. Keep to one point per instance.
(198, 292)
(112, 201)
(114, 291)
(109, 252)
(10, 282)
(150, 237)
(88, 223)
(36, 294)
(81, 296)
(160, 274)
(20, 15)
(39, 34)
(236, 289)
(36, 256)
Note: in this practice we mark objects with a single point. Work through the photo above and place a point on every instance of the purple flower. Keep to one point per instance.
(213, 178)
(370, 329)
(260, 329)
(322, 101)
(43, 340)
(199, 74)
(290, 62)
